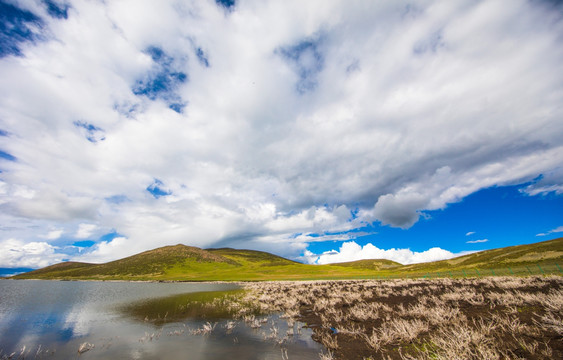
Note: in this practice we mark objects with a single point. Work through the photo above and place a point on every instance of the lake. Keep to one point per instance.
(53, 319)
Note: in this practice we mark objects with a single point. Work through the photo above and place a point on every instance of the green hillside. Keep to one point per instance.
(146, 265)
(514, 256)
(186, 263)
(60, 268)
(371, 264)
(252, 257)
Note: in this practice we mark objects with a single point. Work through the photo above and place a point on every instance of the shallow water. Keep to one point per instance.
(51, 319)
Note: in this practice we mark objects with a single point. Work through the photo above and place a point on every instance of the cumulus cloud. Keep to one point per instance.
(351, 251)
(85, 230)
(105, 249)
(193, 127)
(16, 253)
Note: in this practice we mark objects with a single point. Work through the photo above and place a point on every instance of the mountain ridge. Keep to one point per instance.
(187, 263)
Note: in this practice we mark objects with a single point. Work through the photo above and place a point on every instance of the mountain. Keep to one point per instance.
(148, 264)
(181, 262)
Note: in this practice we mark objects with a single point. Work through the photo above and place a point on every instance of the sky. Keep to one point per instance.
(322, 131)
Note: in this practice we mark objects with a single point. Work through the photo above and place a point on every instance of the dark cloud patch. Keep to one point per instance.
(554, 4)
(307, 61)
(163, 81)
(91, 132)
(17, 26)
(57, 10)
(399, 210)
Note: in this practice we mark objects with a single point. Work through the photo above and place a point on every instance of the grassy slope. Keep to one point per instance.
(371, 264)
(520, 255)
(182, 262)
(152, 264)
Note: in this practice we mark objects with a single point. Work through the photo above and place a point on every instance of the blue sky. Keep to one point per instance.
(487, 219)
(317, 131)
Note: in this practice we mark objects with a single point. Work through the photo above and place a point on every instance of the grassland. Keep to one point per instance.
(486, 318)
(185, 263)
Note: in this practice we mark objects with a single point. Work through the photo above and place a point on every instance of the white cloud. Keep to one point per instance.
(556, 230)
(106, 249)
(551, 181)
(351, 251)
(85, 230)
(308, 238)
(478, 241)
(469, 233)
(16, 253)
(54, 234)
(402, 109)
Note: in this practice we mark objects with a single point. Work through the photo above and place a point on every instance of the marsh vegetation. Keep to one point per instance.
(478, 318)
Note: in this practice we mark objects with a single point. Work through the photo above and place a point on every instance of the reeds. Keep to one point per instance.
(476, 318)
(205, 329)
(86, 346)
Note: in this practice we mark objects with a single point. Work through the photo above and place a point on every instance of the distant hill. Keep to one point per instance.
(512, 256)
(187, 263)
(370, 264)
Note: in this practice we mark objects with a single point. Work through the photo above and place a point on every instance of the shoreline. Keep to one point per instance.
(136, 281)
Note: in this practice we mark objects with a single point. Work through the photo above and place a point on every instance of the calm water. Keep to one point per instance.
(51, 319)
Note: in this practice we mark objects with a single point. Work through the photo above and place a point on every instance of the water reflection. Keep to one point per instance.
(213, 305)
(51, 319)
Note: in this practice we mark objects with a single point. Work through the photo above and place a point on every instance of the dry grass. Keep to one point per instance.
(487, 318)
(206, 329)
